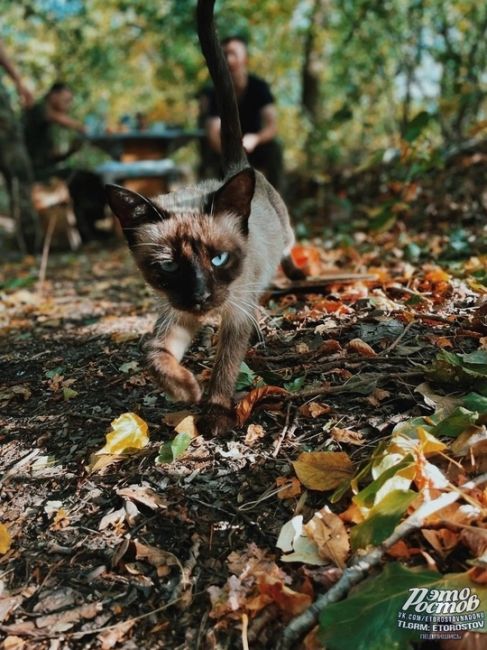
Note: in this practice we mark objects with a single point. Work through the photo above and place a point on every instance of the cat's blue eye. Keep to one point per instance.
(221, 259)
(169, 265)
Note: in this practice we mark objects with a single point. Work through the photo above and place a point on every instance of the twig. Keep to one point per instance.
(344, 388)
(399, 338)
(285, 429)
(361, 566)
(245, 626)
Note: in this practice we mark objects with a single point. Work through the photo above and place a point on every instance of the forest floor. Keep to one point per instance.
(127, 551)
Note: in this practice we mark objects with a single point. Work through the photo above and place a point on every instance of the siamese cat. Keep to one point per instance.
(208, 250)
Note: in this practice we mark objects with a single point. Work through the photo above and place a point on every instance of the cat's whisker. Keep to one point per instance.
(251, 318)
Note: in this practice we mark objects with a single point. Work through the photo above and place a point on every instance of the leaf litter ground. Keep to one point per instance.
(136, 553)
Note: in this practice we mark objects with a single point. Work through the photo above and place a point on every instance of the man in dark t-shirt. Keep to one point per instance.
(257, 112)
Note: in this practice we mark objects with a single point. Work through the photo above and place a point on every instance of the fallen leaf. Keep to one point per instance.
(347, 436)
(254, 433)
(292, 487)
(145, 495)
(13, 643)
(314, 409)
(129, 433)
(174, 418)
(323, 470)
(442, 540)
(361, 347)
(246, 405)
(159, 558)
(187, 426)
(5, 539)
(62, 621)
(112, 636)
(289, 601)
(296, 545)
(328, 532)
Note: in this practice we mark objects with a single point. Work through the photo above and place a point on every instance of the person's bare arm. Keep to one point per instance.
(6, 63)
(213, 125)
(64, 120)
(268, 131)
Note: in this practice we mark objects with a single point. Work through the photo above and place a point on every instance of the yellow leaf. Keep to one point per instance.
(5, 539)
(129, 433)
(323, 470)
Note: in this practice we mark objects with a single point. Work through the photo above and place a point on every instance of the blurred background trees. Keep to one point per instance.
(354, 79)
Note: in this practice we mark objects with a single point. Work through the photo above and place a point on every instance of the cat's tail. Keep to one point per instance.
(233, 153)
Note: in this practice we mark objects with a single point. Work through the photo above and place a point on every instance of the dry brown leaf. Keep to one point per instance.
(314, 409)
(328, 532)
(159, 558)
(5, 539)
(13, 643)
(61, 621)
(246, 405)
(289, 601)
(311, 641)
(475, 539)
(145, 495)
(293, 488)
(174, 418)
(401, 551)
(254, 433)
(112, 636)
(323, 470)
(347, 436)
(352, 514)
(442, 540)
(330, 347)
(361, 347)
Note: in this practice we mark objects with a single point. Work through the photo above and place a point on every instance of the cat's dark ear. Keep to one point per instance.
(235, 196)
(132, 209)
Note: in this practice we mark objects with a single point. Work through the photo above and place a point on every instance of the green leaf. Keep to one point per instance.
(382, 519)
(368, 618)
(68, 393)
(295, 385)
(416, 126)
(475, 402)
(461, 369)
(50, 374)
(455, 423)
(174, 449)
(365, 498)
(245, 378)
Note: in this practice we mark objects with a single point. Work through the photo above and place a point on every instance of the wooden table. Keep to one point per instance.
(130, 148)
(144, 145)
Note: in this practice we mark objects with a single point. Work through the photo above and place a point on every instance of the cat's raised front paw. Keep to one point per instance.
(182, 387)
(216, 421)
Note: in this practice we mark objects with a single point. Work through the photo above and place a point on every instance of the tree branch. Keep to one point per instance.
(361, 566)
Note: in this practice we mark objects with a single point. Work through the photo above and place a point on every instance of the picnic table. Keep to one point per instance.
(147, 145)
(141, 159)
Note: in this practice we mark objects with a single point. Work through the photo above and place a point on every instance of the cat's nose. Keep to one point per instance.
(201, 299)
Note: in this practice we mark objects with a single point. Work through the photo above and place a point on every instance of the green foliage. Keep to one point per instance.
(382, 520)
(174, 449)
(386, 72)
(373, 608)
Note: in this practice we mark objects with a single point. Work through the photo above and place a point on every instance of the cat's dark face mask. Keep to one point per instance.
(193, 257)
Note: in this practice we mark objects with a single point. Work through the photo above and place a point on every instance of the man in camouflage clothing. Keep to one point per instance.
(14, 161)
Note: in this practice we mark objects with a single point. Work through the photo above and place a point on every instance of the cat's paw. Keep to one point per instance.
(182, 387)
(174, 379)
(216, 420)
